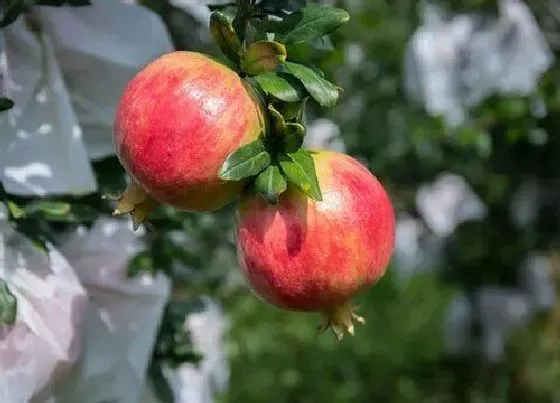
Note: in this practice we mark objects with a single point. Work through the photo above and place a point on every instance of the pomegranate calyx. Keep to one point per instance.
(340, 319)
(136, 202)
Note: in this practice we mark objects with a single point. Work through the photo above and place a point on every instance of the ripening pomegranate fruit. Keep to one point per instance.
(176, 123)
(303, 255)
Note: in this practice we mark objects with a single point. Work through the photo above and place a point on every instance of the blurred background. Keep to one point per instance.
(453, 105)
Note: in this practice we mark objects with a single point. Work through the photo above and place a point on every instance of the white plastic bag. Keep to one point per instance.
(39, 348)
(100, 48)
(66, 69)
(42, 149)
(448, 202)
(70, 342)
(122, 318)
(454, 62)
(199, 383)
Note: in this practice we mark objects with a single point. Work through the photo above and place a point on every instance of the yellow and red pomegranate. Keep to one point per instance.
(177, 121)
(304, 255)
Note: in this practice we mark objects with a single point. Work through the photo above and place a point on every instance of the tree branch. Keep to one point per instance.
(241, 18)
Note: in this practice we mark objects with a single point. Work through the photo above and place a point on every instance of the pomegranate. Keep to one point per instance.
(303, 255)
(176, 123)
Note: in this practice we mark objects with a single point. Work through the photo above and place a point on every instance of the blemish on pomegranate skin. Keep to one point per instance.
(294, 238)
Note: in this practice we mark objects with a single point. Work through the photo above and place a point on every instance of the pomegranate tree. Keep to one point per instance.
(314, 228)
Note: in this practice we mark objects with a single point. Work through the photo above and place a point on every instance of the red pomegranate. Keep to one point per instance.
(176, 123)
(303, 255)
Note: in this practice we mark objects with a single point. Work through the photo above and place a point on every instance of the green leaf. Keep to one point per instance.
(53, 211)
(291, 110)
(272, 26)
(310, 23)
(300, 171)
(282, 86)
(277, 120)
(257, 30)
(249, 160)
(5, 104)
(16, 211)
(224, 35)
(293, 137)
(323, 44)
(48, 209)
(262, 57)
(270, 184)
(305, 52)
(8, 304)
(324, 92)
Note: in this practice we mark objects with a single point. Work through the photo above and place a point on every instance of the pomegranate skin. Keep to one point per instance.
(177, 121)
(302, 255)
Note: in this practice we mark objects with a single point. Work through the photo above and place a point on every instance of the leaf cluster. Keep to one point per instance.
(278, 158)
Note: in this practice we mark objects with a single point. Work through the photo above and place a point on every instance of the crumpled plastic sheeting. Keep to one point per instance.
(199, 383)
(39, 348)
(66, 79)
(122, 317)
(84, 331)
(452, 63)
(448, 202)
(42, 148)
(107, 43)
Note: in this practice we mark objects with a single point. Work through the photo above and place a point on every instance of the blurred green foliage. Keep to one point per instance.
(278, 357)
